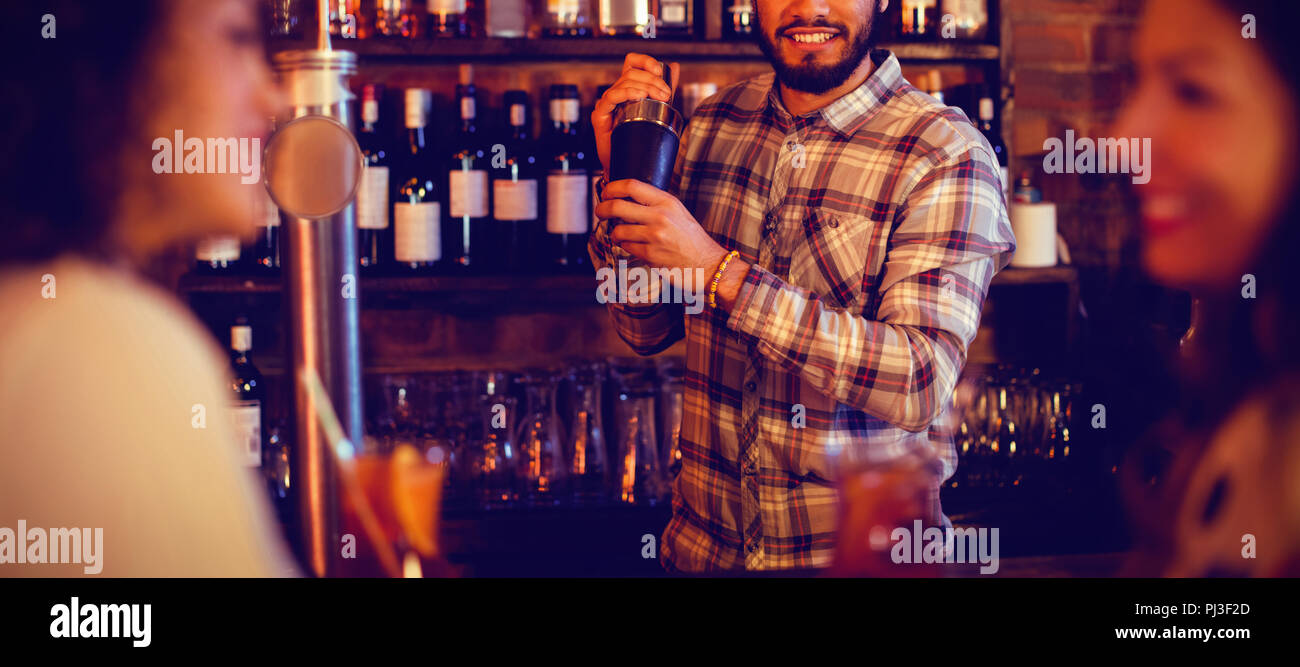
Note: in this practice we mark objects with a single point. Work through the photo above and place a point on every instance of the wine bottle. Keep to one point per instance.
(738, 19)
(970, 19)
(396, 18)
(249, 398)
(920, 19)
(676, 18)
(566, 18)
(629, 18)
(467, 178)
(417, 228)
(217, 255)
(995, 140)
(514, 189)
(374, 236)
(448, 18)
(264, 251)
(567, 182)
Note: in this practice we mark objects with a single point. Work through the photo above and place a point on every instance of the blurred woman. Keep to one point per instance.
(112, 395)
(1219, 97)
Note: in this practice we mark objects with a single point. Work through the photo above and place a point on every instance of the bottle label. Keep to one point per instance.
(986, 108)
(270, 212)
(241, 338)
(417, 105)
(469, 195)
(372, 198)
(566, 203)
(248, 428)
(370, 111)
(446, 6)
(417, 232)
(564, 110)
(218, 249)
(674, 11)
(517, 116)
(515, 200)
(467, 108)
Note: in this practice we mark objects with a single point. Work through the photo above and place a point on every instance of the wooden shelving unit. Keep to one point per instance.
(397, 51)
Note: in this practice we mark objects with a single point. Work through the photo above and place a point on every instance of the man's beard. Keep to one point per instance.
(809, 76)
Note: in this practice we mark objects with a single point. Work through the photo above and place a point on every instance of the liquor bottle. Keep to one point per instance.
(249, 398)
(264, 251)
(467, 178)
(284, 18)
(970, 19)
(738, 19)
(565, 18)
(514, 189)
(417, 228)
(396, 18)
(448, 18)
(629, 18)
(995, 140)
(374, 237)
(920, 19)
(217, 255)
(345, 19)
(567, 182)
(676, 18)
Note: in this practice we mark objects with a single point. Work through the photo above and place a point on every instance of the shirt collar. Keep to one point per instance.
(851, 111)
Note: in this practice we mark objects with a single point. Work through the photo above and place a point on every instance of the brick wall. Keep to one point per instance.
(1070, 64)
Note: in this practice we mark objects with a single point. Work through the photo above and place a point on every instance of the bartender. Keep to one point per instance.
(853, 224)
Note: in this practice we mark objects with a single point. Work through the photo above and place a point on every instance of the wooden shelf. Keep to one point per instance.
(1011, 275)
(524, 285)
(510, 50)
(526, 290)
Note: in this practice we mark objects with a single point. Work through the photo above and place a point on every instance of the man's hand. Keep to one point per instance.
(642, 77)
(656, 227)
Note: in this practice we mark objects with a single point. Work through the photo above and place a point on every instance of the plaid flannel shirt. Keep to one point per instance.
(874, 226)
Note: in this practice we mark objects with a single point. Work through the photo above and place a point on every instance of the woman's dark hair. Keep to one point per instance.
(1247, 343)
(72, 69)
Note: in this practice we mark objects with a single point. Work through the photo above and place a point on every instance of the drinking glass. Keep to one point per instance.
(588, 462)
(541, 470)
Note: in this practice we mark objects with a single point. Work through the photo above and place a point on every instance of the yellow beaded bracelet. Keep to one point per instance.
(717, 277)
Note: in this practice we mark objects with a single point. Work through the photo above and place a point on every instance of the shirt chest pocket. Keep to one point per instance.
(832, 254)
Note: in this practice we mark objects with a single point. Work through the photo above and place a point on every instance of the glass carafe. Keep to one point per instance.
(540, 466)
(489, 459)
(588, 457)
(639, 468)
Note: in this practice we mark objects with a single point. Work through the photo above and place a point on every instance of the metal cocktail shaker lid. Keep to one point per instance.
(652, 111)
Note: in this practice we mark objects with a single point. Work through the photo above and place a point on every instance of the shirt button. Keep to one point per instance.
(750, 468)
(751, 386)
(835, 222)
(752, 547)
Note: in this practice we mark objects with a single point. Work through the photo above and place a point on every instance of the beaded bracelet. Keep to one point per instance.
(717, 277)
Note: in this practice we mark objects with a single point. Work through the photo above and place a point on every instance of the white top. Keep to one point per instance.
(98, 388)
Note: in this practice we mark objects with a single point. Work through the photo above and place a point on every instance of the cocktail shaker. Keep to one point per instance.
(645, 139)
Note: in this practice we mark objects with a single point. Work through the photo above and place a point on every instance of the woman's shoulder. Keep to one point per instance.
(71, 306)
(1240, 512)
